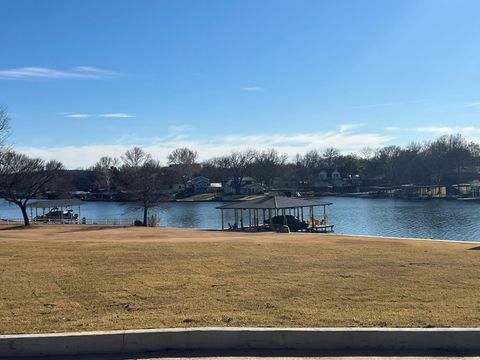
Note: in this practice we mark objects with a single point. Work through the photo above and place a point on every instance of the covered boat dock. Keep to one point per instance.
(272, 212)
(58, 210)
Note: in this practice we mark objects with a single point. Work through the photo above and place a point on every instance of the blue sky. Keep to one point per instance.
(83, 79)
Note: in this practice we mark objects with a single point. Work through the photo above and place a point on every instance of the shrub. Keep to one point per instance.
(153, 221)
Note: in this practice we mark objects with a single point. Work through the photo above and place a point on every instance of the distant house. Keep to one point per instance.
(229, 187)
(252, 189)
(177, 188)
(328, 180)
(248, 187)
(199, 184)
(329, 174)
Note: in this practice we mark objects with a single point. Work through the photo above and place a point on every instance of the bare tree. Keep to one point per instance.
(446, 156)
(308, 166)
(23, 178)
(142, 177)
(135, 157)
(183, 161)
(106, 168)
(236, 166)
(4, 126)
(330, 157)
(182, 156)
(267, 165)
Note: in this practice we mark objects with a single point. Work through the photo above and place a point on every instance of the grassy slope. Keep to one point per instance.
(68, 278)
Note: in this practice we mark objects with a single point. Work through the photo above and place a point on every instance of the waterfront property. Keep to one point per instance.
(273, 212)
(199, 184)
(248, 186)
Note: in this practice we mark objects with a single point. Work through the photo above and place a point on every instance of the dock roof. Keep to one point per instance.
(43, 204)
(274, 202)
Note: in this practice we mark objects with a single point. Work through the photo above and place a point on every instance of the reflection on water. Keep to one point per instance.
(435, 219)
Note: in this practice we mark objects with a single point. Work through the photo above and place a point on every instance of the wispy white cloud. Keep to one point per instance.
(253, 88)
(78, 116)
(116, 115)
(108, 115)
(347, 127)
(445, 130)
(79, 72)
(208, 147)
(467, 131)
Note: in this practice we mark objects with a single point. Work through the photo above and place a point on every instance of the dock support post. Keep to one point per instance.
(312, 216)
(223, 226)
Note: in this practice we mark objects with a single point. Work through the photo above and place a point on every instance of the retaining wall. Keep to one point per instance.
(326, 340)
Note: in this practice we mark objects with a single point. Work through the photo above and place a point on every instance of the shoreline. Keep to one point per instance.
(88, 227)
(473, 242)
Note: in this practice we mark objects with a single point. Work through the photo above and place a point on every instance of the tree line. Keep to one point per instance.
(446, 160)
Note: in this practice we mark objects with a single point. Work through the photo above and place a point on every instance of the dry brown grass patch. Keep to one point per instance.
(63, 278)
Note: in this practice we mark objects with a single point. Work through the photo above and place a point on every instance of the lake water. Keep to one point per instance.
(433, 219)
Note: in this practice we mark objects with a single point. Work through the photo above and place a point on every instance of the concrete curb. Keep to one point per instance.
(340, 340)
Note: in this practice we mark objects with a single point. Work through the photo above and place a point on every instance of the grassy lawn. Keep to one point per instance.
(74, 278)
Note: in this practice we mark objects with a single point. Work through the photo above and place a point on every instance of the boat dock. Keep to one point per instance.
(276, 213)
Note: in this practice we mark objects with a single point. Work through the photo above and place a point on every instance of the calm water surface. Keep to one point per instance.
(435, 219)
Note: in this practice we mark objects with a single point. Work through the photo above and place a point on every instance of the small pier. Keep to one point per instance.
(275, 213)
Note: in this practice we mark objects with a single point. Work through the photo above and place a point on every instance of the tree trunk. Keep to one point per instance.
(26, 220)
(145, 216)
